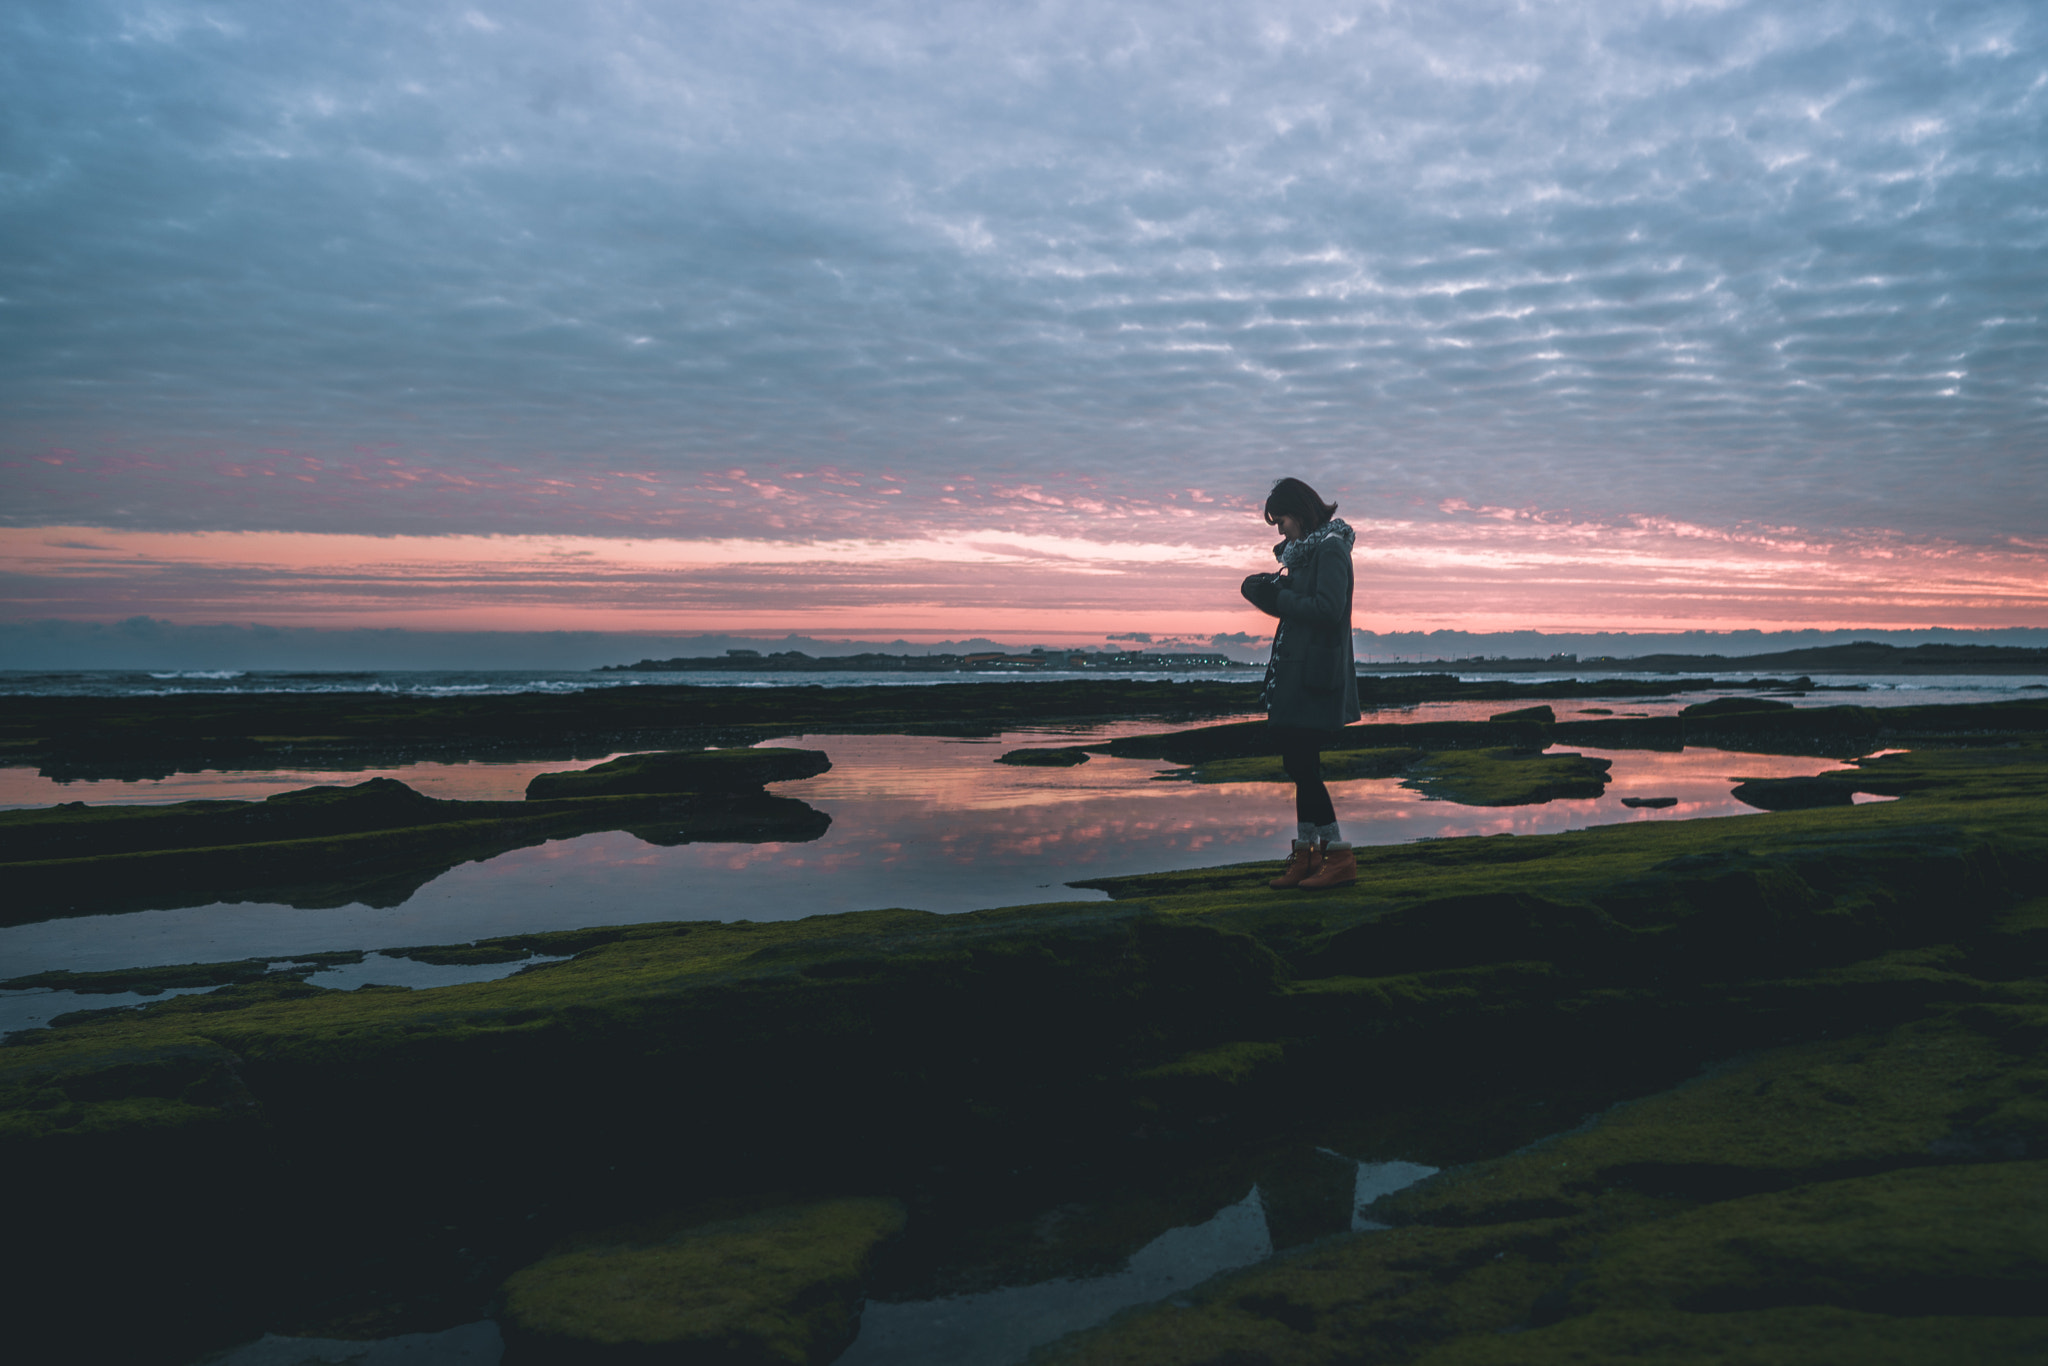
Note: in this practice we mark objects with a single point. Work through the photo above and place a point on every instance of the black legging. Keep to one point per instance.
(1301, 754)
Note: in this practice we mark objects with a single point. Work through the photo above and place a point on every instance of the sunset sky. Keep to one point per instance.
(930, 320)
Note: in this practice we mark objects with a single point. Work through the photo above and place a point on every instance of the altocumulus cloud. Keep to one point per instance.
(812, 270)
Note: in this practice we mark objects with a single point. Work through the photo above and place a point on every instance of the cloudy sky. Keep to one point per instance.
(982, 318)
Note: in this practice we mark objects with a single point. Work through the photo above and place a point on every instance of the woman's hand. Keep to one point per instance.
(1263, 592)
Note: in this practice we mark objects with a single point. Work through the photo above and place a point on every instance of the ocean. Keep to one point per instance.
(1873, 690)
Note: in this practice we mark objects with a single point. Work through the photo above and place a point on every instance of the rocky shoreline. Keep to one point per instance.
(1859, 1164)
(71, 738)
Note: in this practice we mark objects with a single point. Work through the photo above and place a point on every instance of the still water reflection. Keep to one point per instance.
(998, 1327)
(921, 822)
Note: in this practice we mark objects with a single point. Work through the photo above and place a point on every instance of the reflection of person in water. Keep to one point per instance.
(1312, 682)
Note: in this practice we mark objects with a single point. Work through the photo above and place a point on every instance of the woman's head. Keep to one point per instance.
(1300, 504)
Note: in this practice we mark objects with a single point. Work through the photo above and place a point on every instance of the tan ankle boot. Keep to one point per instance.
(1304, 862)
(1339, 868)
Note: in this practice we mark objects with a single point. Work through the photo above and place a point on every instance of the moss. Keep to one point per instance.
(1376, 1297)
(75, 829)
(1208, 1083)
(143, 1090)
(453, 955)
(1949, 1240)
(665, 1059)
(1809, 1175)
(151, 981)
(1804, 1336)
(780, 1288)
(1251, 739)
(1339, 765)
(1811, 1112)
(704, 770)
(145, 981)
(1044, 758)
(1231, 1064)
(1508, 777)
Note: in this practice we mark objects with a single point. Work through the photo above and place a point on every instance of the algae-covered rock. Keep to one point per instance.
(77, 829)
(1210, 1079)
(699, 770)
(1739, 1217)
(1369, 1297)
(1794, 794)
(1508, 777)
(1246, 739)
(668, 1064)
(1339, 765)
(1804, 1336)
(1932, 1240)
(1541, 714)
(1044, 758)
(779, 1288)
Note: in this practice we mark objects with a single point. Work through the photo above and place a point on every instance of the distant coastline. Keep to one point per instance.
(992, 661)
(1861, 657)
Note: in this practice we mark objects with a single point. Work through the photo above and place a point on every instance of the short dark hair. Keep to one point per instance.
(1291, 497)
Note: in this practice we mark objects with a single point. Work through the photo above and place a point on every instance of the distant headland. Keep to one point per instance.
(796, 661)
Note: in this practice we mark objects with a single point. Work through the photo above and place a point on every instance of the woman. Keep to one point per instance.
(1311, 683)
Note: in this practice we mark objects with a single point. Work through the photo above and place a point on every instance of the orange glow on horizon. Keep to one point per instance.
(1478, 571)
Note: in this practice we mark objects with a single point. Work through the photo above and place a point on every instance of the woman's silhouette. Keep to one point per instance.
(1312, 682)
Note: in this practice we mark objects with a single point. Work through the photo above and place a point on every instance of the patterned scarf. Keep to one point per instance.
(1292, 555)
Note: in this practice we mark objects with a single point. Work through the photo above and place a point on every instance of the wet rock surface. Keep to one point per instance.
(780, 1287)
(705, 770)
(1866, 980)
(376, 841)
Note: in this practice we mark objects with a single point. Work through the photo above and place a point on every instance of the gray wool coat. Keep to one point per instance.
(1314, 674)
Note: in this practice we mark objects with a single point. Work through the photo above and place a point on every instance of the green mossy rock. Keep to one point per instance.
(1714, 1219)
(1370, 1297)
(666, 1062)
(779, 1288)
(153, 981)
(1508, 777)
(1794, 794)
(1811, 1112)
(1772, 1337)
(1339, 765)
(1251, 739)
(75, 830)
(701, 770)
(1209, 1080)
(1936, 1240)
